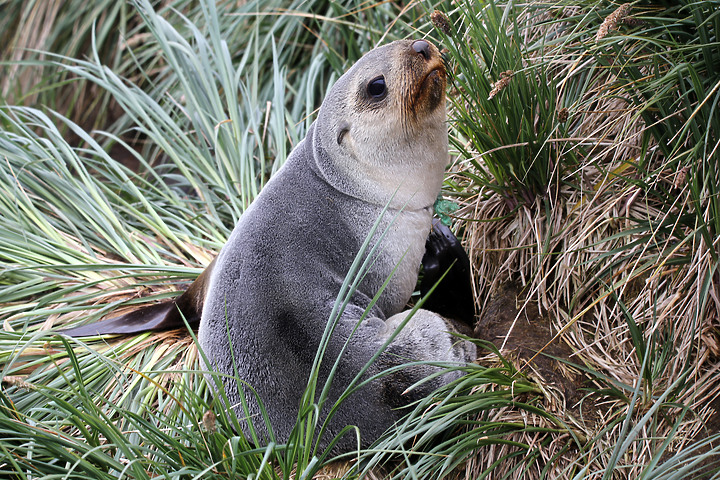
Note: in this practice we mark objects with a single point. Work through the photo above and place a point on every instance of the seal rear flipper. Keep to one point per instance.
(187, 307)
(160, 316)
(453, 297)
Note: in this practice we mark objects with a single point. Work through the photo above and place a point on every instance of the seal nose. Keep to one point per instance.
(422, 47)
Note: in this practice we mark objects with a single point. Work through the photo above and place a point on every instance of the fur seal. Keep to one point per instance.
(379, 141)
(376, 152)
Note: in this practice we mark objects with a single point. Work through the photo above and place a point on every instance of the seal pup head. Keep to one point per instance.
(381, 132)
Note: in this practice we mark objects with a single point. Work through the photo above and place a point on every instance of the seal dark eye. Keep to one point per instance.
(377, 88)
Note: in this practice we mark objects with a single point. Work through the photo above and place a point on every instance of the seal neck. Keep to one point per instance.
(409, 179)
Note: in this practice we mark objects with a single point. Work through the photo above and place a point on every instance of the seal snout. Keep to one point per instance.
(422, 47)
(425, 76)
(431, 62)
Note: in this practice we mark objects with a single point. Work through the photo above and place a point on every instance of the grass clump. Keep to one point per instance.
(617, 248)
(507, 111)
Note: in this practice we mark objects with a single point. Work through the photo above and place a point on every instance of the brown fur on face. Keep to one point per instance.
(425, 85)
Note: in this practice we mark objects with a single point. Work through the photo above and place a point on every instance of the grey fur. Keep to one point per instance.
(276, 280)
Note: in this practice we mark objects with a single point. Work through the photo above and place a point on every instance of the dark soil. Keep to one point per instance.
(530, 334)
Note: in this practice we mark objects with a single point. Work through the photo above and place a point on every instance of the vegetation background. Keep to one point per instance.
(585, 155)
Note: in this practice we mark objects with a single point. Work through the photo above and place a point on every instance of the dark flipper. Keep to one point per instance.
(161, 316)
(453, 297)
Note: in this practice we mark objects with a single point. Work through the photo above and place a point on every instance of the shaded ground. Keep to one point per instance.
(520, 332)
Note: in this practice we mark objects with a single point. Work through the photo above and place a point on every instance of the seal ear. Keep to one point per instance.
(343, 128)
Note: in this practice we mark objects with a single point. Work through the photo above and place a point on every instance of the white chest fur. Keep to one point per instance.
(401, 252)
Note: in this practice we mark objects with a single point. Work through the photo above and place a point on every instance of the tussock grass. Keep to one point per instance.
(586, 140)
(618, 246)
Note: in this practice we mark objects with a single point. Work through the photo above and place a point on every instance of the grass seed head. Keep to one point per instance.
(441, 22)
(208, 421)
(500, 84)
(17, 381)
(563, 115)
(681, 177)
(612, 21)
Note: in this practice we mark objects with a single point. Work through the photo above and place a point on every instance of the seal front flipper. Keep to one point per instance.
(187, 307)
(453, 296)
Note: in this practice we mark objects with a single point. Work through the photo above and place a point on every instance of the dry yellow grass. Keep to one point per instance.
(582, 264)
